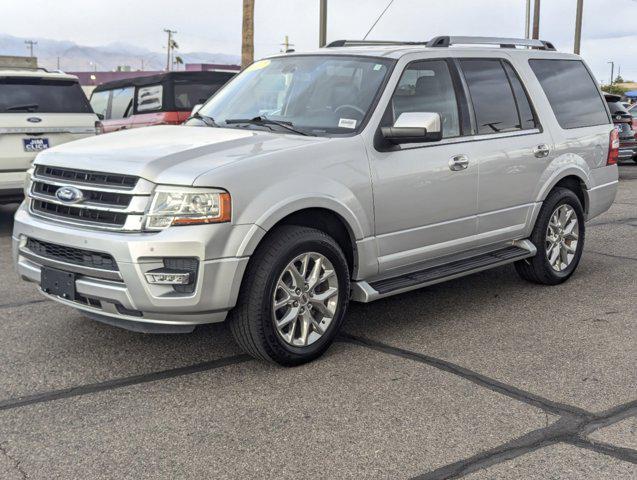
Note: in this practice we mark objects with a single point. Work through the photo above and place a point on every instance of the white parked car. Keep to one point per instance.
(38, 110)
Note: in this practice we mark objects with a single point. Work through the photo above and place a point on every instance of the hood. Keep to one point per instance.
(173, 155)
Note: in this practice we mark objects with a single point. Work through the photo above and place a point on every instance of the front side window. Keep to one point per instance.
(571, 91)
(427, 87)
(321, 94)
(122, 103)
(99, 102)
(20, 95)
(492, 97)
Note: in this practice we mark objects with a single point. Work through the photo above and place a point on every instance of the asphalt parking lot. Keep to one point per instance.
(485, 377)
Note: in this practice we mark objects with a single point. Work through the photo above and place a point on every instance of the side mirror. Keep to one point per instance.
(196, 108)
(414, 127)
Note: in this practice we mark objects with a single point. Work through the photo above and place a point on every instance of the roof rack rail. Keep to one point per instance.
(447, 41)
(364, 43)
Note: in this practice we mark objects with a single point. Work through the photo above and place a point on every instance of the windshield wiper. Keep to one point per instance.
(262, 120)
(209, 121)
(31, 107)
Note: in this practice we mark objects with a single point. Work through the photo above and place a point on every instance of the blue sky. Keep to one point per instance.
(610, 26)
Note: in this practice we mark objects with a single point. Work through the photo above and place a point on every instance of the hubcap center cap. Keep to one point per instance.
(304, 299)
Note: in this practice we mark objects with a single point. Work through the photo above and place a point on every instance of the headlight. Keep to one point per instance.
(187, 206)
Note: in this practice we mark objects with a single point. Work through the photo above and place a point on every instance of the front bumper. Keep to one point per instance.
(125, 295)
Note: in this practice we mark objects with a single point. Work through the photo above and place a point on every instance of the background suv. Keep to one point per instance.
(355, 172)
(38, 110)
(624, 122)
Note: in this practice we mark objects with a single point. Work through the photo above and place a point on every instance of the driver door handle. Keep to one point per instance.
(458, 162)
(541, 151)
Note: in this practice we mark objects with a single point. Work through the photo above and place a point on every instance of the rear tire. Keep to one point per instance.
(278, 287)
(558, 236)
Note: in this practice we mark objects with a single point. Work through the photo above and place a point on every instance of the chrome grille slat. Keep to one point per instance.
(112, 202)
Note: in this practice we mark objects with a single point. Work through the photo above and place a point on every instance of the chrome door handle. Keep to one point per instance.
(459, 162)
(541, 151)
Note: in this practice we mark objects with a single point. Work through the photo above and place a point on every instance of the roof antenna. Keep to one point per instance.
(381, 16)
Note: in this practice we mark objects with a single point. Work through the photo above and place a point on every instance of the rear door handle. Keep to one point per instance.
(458, 162)
(541, 151)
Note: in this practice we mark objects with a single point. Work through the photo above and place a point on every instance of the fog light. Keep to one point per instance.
(166, 276)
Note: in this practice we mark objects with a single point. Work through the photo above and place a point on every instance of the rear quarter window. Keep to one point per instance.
(571, 91)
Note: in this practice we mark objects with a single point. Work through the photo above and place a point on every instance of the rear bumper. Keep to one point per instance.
(11, 186)
(125, 296)
(602, 194)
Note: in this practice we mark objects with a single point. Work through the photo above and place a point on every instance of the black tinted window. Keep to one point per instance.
(571, 91)
(527, 119)
(19, 95)
(491, 95)
(427, 87)
(187, 95)
(122, 103)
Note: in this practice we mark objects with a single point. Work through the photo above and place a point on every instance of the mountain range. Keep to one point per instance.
(74, 57)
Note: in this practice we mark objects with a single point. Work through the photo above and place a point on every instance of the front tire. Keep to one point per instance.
(558, 236)
(293, 297)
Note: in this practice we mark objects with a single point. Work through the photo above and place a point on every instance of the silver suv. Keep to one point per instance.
(356, 172)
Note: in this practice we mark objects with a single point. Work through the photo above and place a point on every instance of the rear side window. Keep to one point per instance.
(492, 96)
(20, 95)
(571, 91)
(122, 103)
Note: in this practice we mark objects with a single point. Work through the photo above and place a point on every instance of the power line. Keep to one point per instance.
(378, 19)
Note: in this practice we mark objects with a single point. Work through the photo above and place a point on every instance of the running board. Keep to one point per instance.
(368, 292)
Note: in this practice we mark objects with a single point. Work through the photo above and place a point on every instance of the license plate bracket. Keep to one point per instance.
(58, 283)
(35, 144)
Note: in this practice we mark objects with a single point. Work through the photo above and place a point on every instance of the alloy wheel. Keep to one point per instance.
(562, 236)
(305, 299)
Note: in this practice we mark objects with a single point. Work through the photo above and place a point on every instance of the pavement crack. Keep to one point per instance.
(87, 389)
(621, 453)
(23, 304)
(474, 377)
(16, 463)
(621, 257)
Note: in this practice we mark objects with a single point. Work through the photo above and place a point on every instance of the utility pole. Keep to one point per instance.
(247, 41)
(527, 20)
(286, 44)
(578, 26)
(323, 23)
(58, 63)
(30, 44)
(536, 20)
(169, 47)
(612, 72)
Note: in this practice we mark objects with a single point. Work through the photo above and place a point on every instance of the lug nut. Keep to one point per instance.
(296, 304)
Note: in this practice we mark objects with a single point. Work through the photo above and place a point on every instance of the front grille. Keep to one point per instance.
(81, 214)
(82, 176)
(107, 201)
(91, 196)
(72, 255)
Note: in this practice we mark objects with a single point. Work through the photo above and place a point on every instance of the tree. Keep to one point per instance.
(619, 79)
(247, 41)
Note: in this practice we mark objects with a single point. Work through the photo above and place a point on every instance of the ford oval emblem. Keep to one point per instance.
(34, 119)
(69, 195)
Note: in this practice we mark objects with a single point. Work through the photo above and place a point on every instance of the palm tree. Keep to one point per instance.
(247, 43)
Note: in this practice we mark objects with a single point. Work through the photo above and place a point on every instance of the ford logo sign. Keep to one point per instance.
(34, 119)
(69, 195)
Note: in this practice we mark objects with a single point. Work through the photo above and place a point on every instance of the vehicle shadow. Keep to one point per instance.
(6, 218)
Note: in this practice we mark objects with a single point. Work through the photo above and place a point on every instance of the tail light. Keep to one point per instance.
(99, 128)
(613, 147)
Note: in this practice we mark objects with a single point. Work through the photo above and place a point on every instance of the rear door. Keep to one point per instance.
(509, 144)
(36, 114)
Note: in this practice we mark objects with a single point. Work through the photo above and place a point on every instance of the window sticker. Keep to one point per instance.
(377, 67)
(258, 65)
(347, 123)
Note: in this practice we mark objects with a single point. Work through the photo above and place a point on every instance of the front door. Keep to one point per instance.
(425, 195)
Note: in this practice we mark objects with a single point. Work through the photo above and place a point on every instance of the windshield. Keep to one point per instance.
(20, 95)
(318, 94)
